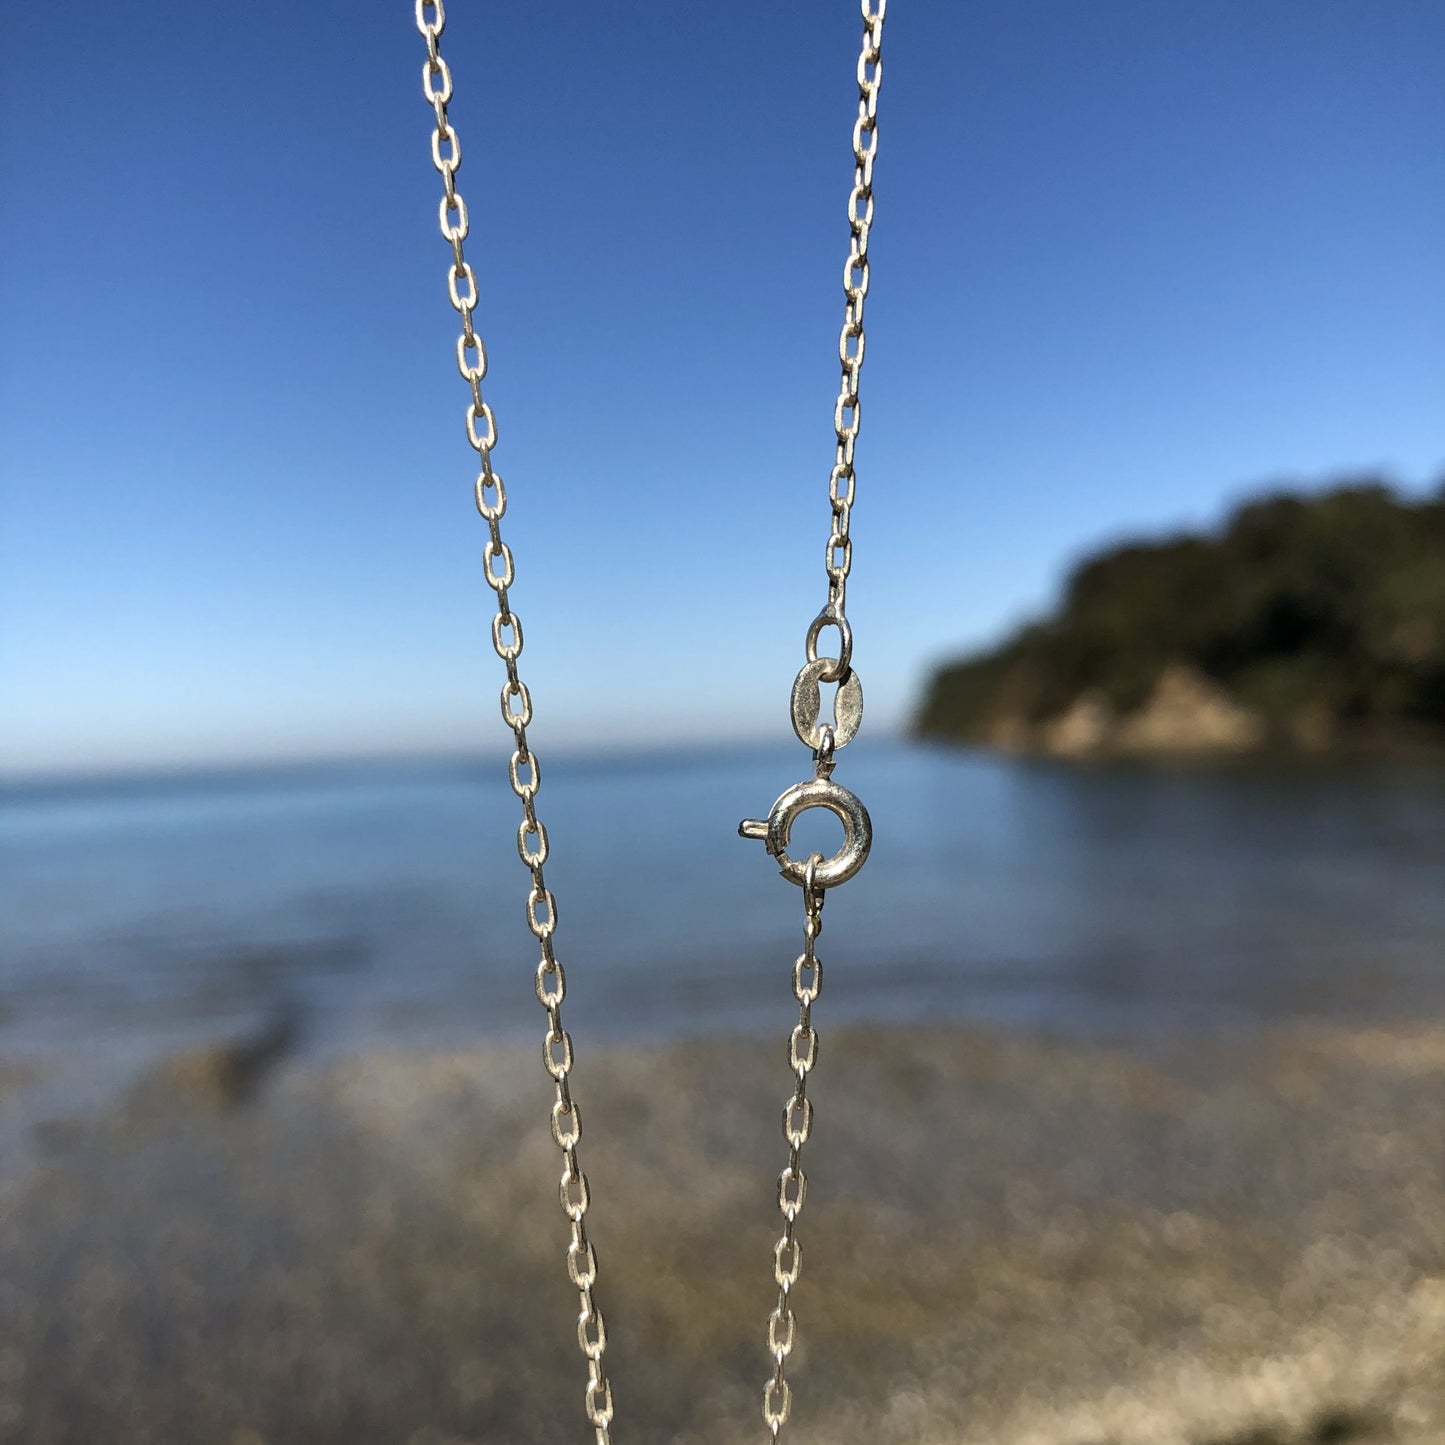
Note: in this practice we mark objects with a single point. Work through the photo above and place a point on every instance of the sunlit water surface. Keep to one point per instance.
(388, 901)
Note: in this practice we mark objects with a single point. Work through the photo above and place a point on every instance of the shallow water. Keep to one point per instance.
(388, 900)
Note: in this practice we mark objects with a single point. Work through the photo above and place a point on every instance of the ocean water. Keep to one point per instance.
(387, 901)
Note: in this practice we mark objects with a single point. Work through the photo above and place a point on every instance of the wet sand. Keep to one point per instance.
(1006, 1240)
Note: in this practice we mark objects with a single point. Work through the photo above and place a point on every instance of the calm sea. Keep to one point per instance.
(387, 902)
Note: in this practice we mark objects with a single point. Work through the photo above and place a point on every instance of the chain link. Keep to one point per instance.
(851, 339)
(516, 704)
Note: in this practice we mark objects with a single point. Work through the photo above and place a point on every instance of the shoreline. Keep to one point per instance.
(1009, 1239)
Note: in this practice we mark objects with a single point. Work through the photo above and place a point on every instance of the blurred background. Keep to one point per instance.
(1133, 1059)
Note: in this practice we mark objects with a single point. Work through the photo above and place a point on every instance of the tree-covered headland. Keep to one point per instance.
(1305, 622)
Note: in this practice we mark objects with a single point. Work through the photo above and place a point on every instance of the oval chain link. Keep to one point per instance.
(516, 705)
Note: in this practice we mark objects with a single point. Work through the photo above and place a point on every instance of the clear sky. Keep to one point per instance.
(1130, 261)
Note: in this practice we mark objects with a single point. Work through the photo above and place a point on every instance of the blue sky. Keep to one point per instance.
(1130, 261)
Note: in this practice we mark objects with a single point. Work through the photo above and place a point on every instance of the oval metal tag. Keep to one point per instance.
(807, 702)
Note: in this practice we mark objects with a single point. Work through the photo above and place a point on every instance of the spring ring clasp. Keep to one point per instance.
(777, 829)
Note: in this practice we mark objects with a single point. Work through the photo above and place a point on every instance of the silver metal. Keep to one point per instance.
(806, 704)
(823, 762)
(777, 829)
(523, 770)
(816, 874)
(797, 1126)
(851, 339)
(831, 616)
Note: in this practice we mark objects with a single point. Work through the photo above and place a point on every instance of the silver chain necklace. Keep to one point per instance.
(814, 874)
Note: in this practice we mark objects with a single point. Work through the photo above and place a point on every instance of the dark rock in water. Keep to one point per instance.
(226, 1074)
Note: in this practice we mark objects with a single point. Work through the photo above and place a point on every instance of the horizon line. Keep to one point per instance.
(621, 750)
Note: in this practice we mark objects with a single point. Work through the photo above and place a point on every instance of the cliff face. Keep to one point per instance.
(1304, 623)
(1185, 713)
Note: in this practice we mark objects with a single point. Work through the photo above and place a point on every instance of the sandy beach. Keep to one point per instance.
(1006, 1240)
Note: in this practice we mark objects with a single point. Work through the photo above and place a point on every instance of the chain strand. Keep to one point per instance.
(847, 414)
(808, 969)
(523, 769)
(792, 1182)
